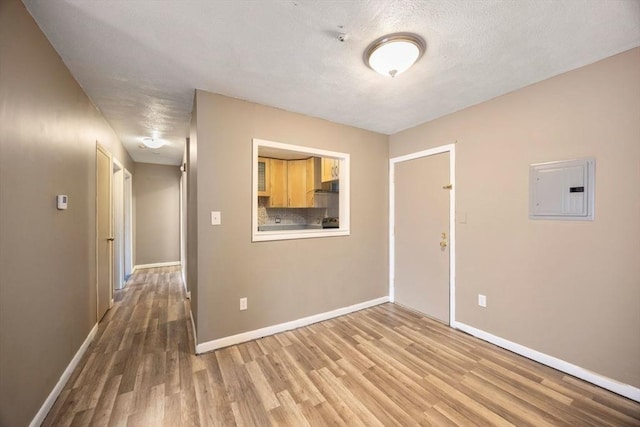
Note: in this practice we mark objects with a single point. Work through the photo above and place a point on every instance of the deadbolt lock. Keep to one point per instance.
(443, 243)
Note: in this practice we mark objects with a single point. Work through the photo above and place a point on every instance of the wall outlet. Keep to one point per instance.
(482, 300)
(243, 303)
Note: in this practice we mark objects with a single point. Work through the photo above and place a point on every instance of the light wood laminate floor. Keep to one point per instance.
(383, 366)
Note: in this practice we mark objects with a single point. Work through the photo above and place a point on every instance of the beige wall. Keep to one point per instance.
(283, 280)
(156, 189)
(48, 133)
(567, 289)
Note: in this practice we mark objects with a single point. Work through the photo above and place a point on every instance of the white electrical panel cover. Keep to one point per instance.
(562, 190)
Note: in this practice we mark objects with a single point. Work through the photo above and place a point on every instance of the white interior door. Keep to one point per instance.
(421, 200)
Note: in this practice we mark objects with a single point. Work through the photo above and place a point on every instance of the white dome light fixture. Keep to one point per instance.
(394, 54)
(152, 143)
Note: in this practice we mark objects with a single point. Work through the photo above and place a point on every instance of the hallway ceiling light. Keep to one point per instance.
(393, 54)
(152, 143)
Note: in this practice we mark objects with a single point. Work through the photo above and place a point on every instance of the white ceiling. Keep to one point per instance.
(140, 60)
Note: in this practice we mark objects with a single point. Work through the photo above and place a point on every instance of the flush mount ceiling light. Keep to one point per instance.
(152, 143)
(393, 54)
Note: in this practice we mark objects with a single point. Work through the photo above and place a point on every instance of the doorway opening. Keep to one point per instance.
(122, 229)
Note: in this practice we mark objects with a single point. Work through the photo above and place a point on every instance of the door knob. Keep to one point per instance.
(111, 239)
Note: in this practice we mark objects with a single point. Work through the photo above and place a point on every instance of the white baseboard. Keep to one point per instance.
(610, 384)
(157, 264)
(271, 330)
(51, 399)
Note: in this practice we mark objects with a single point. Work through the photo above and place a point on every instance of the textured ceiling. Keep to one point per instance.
(140, 60)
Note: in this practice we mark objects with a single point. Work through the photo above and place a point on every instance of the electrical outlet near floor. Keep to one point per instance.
(243, 303)
(482, 300)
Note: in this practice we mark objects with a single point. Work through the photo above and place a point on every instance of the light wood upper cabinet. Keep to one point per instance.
(290, 183)
(278, 173)
(297, 183)
(330, 169)
(264, 177)
(304, 178)
(314, 178)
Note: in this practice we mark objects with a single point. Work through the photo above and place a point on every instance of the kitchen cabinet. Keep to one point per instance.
(314, 179)
(330, 169)
(292, 183)
(297, 183)
(264, 177)
(278, 177)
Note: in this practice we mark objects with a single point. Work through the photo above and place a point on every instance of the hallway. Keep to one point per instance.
(136, 359)
(380, 366)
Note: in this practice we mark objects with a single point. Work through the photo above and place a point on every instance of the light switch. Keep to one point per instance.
(216, 218)
(482, 300)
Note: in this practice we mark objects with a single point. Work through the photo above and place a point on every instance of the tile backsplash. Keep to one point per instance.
(287, 216)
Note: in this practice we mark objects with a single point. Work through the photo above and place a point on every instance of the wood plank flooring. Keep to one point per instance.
(384, 366)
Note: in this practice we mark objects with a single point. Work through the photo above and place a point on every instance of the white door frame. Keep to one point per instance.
(451, 149)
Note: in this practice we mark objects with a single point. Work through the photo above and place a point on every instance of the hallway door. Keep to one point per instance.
(421, 241)
(104, 236)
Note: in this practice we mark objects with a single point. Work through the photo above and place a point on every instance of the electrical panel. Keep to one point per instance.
(562, 190)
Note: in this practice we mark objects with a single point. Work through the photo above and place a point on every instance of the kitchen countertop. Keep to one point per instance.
(283, 227)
